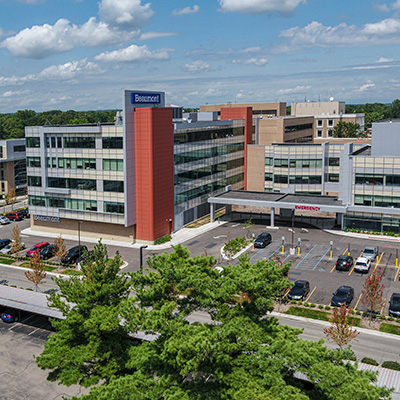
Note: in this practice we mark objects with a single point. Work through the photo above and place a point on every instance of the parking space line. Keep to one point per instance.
(384, 302)
(32, 316)
(286, 293)
(344, 252)
(380, 258)
(308, 298)
(352, 270)
(305, 256)
(279, 248)
(397, 274)
(33, 331)
(359, 298)
(316, 265)
(333, 269)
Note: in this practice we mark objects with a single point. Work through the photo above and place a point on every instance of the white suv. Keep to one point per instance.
(362, 264)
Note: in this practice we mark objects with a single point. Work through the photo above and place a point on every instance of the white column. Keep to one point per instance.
(272, 216)
(212, 212)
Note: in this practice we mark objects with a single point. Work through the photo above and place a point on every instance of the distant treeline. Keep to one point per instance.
(13, 125)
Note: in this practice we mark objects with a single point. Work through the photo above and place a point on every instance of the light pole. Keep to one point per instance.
(79, 237)
(141, 256)
(292, 228)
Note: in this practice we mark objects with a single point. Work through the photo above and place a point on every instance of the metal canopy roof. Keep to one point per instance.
(26, 300)
(280, 200)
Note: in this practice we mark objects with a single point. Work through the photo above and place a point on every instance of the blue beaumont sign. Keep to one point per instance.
(145, 98)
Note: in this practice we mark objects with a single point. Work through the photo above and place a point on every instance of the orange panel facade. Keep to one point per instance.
(154, 172)
(245, 113)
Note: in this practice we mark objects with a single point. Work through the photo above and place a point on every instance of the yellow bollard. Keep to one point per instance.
(253, 245)
(283, 248)
(331, 255)
(299, 250)
(377, 259)
(397, 262)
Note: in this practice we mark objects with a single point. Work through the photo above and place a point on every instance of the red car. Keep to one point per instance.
(15, 216)
(37, 247)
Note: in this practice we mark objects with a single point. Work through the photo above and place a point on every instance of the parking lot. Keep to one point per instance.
(314, 263)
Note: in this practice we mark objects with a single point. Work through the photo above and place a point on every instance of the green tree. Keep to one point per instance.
(346, 130)
(37, 275)
(237, 351)
(90, 344)
(341, 330)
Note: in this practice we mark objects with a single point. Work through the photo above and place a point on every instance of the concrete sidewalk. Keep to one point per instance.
(178, 237)
(364, 236)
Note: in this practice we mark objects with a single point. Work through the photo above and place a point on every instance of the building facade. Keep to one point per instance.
(136, 180)
(13, 166)
(274, 109)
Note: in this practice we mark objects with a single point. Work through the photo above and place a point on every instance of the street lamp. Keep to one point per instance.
(79, 237)
(141, 256)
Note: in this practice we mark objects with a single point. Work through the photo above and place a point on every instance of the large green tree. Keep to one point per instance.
(90, 344)
(346, 130)
(216, 339)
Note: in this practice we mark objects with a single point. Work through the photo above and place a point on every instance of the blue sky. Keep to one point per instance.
(81, 54)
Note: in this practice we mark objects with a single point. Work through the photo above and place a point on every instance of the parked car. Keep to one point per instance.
(84, 257)
(343, 295)
(9, 315)
(299, 291)
(8, 249)
(25, 212)
(394, 305)
(344, 263)
(4, 243)
(263, 240)
(4, 220)
(370, 252)
(37, 247)
(73, 254)
(362, 264)
(15, 216)
(48, 251)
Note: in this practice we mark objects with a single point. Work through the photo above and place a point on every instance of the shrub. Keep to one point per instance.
(293, 302)
(391, 365)
(358, 312)
(370, 361)
(312, 305)
(320, 306)
(327, 308)
(306, 304)
(365, 314)
(398, 320)
(391, 319)
(235, 245)
(299, 302)
(163, 239)
(383, 317)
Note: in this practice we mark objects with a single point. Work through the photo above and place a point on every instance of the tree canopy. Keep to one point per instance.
(215, 337)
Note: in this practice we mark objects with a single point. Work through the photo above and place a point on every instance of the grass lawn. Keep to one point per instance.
(47, 268)
(317, 314)
(388, 328)
(72, 272)
(7, 261)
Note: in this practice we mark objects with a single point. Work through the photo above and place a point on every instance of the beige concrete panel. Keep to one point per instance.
(91, 229)
(255, 168)
(9, 181)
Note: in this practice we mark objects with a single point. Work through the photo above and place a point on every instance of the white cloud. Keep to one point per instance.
(134, 53)
(382, 7)
(259, 62)
(367, 87)
(317, 35)
(212, 92)
(260, 6)
(11, 93)
(297, 89)
(196, 66)
(250, 49)
(185, 11)
(156, 35)
(65, 71)
(384, 60)
(125, 14)
(396, 5)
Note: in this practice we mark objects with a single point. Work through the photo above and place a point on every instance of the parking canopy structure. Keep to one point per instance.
(26, 300)
(287, 201)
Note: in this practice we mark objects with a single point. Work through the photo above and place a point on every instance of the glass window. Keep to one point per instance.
(319, 133)
(112, 143)
(53, 141)
(19, 149)
(72, 183)
(112, 207)
(319, 122)
(33, 162)
(268, 161)
(53, 162)
(113, 165)
(330, 122)
(79, 142)
(59, 142)
(113, 186)
(32, 141)
(280, 179)
(334, 161)
(34, 181)
(330, 132)
(268, 177)
(333, 177)
(281, 162)
(37, 201)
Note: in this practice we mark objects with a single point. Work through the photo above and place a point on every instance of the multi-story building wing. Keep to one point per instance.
(13, 166)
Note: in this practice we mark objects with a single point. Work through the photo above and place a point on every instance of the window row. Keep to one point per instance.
(298, 163)
(377, 201)
(85, 184)
(298, 179)
(201, 154)
(75, 142)
(71, 163)
(296, 128)
(206, 135)
(378, 179)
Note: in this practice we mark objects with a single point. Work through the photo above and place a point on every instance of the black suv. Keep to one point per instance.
(73, 254)
(343, 295)
(394, 305)
(299, 291)
(48, 251)
(263, 239)
(4, 243)
(344, 263)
